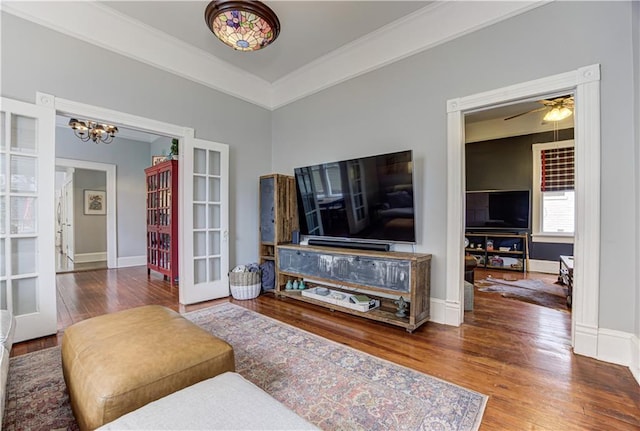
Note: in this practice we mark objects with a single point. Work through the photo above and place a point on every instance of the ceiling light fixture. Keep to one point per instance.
(92, 130)
(558, 113)
(242, 25)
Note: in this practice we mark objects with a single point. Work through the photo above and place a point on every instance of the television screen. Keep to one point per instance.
(500, 209)
(369, 198)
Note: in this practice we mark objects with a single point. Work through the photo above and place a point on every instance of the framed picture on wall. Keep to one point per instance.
(157, 159)
(95, 202)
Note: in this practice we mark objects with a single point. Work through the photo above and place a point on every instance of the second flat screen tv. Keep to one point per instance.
(369, 198)
(507, 210)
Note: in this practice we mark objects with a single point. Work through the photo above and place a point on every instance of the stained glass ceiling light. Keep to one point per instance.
(242, 25)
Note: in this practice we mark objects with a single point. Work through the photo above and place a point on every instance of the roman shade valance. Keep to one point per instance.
(557, 169)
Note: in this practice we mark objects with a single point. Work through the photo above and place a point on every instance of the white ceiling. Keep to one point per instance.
(309, 29)
(321, 43)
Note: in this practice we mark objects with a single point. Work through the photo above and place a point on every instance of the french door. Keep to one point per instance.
(204, 203)
(27, 237)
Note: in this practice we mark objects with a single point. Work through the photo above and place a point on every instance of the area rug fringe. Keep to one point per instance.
(331, 385)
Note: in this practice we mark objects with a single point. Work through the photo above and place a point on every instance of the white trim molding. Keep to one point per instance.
(430, 26)
(635, 358)
(124, 262)
(558, 239)
(545, 266)
(426, 28)
(585, 82)
(437, 310)
(90, 257)
(77, 19)
(615, 346)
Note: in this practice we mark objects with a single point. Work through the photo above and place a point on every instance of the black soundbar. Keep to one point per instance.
(349, 244)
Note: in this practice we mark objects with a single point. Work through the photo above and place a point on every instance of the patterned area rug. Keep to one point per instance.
(330, 385)
(532, 291)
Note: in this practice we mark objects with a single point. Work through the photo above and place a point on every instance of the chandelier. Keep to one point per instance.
(242, 25)
(92, 130)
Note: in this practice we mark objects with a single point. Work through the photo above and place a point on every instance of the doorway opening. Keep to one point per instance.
(81, 239)
(513, 243)
(584, 83)
(88, 239)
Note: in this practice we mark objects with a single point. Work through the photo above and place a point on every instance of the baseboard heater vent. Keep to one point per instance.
(349, 244)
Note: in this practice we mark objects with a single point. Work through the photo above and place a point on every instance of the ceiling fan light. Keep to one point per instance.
(558, 114)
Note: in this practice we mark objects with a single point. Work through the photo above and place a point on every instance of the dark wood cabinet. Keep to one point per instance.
(278, 214)
(508, 251)
(162, 219)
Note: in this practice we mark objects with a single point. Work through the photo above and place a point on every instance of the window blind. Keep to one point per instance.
(557, 169)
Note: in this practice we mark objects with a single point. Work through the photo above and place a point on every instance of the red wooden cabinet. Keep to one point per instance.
(162, 219)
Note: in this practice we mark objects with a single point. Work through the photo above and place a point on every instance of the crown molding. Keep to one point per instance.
(77, 19)
(430, 26)
(426, 28)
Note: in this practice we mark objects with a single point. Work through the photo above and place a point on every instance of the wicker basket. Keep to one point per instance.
(245, 285)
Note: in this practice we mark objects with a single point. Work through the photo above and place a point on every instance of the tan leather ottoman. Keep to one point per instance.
(116, 363)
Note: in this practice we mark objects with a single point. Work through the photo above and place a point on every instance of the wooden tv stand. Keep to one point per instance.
(380, 275)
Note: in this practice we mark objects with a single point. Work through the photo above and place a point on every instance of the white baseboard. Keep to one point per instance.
(635, 358)
(615, 346)
(437, 310)
(90, 257)
(606, 345)
(586, 341)
(124, 262)
(546, 266)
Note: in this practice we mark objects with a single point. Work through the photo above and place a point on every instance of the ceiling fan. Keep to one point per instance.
(558, 109)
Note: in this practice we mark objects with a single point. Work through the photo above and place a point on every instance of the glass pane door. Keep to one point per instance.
(205, 249)
(26, 232)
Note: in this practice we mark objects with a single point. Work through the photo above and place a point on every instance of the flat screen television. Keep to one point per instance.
(368, 198)
(508, 210)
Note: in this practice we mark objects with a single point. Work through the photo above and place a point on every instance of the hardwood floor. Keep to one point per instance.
(517, 353)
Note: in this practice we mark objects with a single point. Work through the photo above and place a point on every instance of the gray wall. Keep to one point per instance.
(403, 105)
(501, 164)
(90, 231)
(161, 146)
(106, 79)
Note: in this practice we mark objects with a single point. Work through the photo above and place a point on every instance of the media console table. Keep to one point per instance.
(380, 275)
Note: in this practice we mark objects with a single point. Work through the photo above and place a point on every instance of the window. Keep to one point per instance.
(553, 191)
(327, 180)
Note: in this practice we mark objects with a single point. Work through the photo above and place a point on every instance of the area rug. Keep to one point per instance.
(331, 385)
(532, 291)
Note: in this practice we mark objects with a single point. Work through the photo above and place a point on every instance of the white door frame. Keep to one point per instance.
(110, 171)
(67, 233)
(585, 82)
(69, 107)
